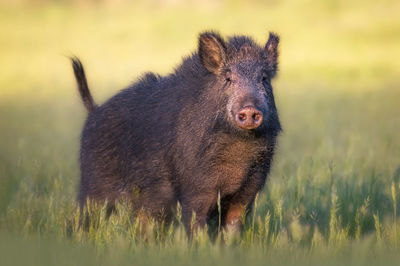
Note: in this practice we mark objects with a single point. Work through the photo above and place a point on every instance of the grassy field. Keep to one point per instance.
(333, 195)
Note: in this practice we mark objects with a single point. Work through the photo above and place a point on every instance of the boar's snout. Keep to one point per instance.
(249, 118)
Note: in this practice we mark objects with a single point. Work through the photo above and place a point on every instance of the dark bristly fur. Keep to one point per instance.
(176, 138)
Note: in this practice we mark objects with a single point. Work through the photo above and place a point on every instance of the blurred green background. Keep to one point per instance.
(333, 191)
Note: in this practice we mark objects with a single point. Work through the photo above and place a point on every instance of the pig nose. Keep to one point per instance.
(249, 118)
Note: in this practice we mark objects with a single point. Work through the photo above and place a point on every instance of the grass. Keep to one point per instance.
(333, 194)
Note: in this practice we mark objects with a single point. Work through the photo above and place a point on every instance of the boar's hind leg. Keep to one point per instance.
(157, 202)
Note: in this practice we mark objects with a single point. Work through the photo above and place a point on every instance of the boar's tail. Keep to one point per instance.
(82, 84)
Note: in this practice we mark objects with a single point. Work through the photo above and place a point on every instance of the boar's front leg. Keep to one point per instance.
(195, 209)
(241, 202)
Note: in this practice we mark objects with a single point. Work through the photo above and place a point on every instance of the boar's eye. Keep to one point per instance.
(264, 77)
(265, 80)
(228, 77)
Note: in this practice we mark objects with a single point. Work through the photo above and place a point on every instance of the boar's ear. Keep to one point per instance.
(212, 51)
(271, 53)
